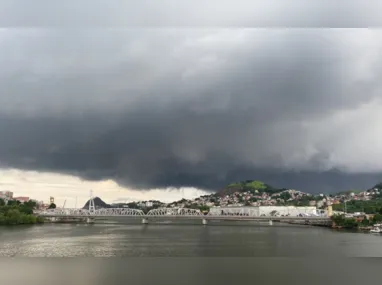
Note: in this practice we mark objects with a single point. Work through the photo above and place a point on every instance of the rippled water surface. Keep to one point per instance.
(227, 253)
(105, 240)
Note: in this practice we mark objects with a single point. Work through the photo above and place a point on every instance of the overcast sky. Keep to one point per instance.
(129, 110)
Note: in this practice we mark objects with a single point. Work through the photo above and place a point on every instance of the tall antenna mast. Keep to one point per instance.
(91, 202)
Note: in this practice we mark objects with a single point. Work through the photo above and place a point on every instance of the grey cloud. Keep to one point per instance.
(191, 13)
(158, 108)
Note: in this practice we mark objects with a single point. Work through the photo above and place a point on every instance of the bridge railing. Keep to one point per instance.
(98, 212)
(164, 212)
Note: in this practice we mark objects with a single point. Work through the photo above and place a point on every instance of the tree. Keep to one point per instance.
(30, 204)
(14, 217)
(341, 221)
(52, 206)
(350, 224)
(365, 222)
(2, 202)
(26, 210)
(377, 218)
(369, 210)
(204, 208)
(12, 203)
(2, 219)
(285, 196)
(338, 219)
(303, 202)
(16, 214)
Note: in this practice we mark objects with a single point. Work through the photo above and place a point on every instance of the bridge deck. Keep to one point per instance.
(242, 214)
(206, 217)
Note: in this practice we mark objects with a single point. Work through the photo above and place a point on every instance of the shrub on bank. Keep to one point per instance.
(347, 223)
(10, 215)
(351, 223)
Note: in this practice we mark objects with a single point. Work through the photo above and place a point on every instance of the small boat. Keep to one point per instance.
(376, 230)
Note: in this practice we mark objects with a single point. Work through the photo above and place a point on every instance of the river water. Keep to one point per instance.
(227, 253)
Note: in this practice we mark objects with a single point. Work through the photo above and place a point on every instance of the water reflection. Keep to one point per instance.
(224, 253)
(105, 240)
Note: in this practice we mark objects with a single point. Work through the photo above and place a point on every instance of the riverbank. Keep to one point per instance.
(353, 230)
(18, 215)
(19, 219)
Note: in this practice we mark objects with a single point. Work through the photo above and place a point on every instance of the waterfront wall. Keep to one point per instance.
(287, 210)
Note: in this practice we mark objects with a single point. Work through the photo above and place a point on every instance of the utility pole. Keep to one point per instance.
(345, 207)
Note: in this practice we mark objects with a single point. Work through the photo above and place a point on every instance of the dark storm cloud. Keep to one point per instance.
(168, 107)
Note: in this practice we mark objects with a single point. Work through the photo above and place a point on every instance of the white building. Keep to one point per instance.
(287, 210)
(266, 211)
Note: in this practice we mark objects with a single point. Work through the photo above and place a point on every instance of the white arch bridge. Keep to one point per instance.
(244, 214)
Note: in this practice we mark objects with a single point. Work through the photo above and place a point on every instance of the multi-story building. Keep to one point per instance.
(6, 194)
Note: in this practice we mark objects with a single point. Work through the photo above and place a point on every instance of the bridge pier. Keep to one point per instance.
(270, 222)
(145, 221)
(90, 220)
(204, 222)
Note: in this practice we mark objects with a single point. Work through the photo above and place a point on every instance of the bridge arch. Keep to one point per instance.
(160, 212)
(118, 212)
(99, 212)
(234, 211)
(65, 212)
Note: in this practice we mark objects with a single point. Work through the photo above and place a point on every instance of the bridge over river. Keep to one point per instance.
(244, 214)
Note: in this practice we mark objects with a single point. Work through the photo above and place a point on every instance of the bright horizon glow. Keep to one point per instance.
(42, 185)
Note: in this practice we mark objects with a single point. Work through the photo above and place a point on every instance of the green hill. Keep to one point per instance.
(378, 186)
(253, 186)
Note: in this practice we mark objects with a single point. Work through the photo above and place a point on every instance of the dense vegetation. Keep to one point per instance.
(15, 213)
(252, 186)
(368, 207)
(347, 223)
(351, 223)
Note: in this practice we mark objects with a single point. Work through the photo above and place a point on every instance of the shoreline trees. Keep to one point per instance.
(16, 213)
